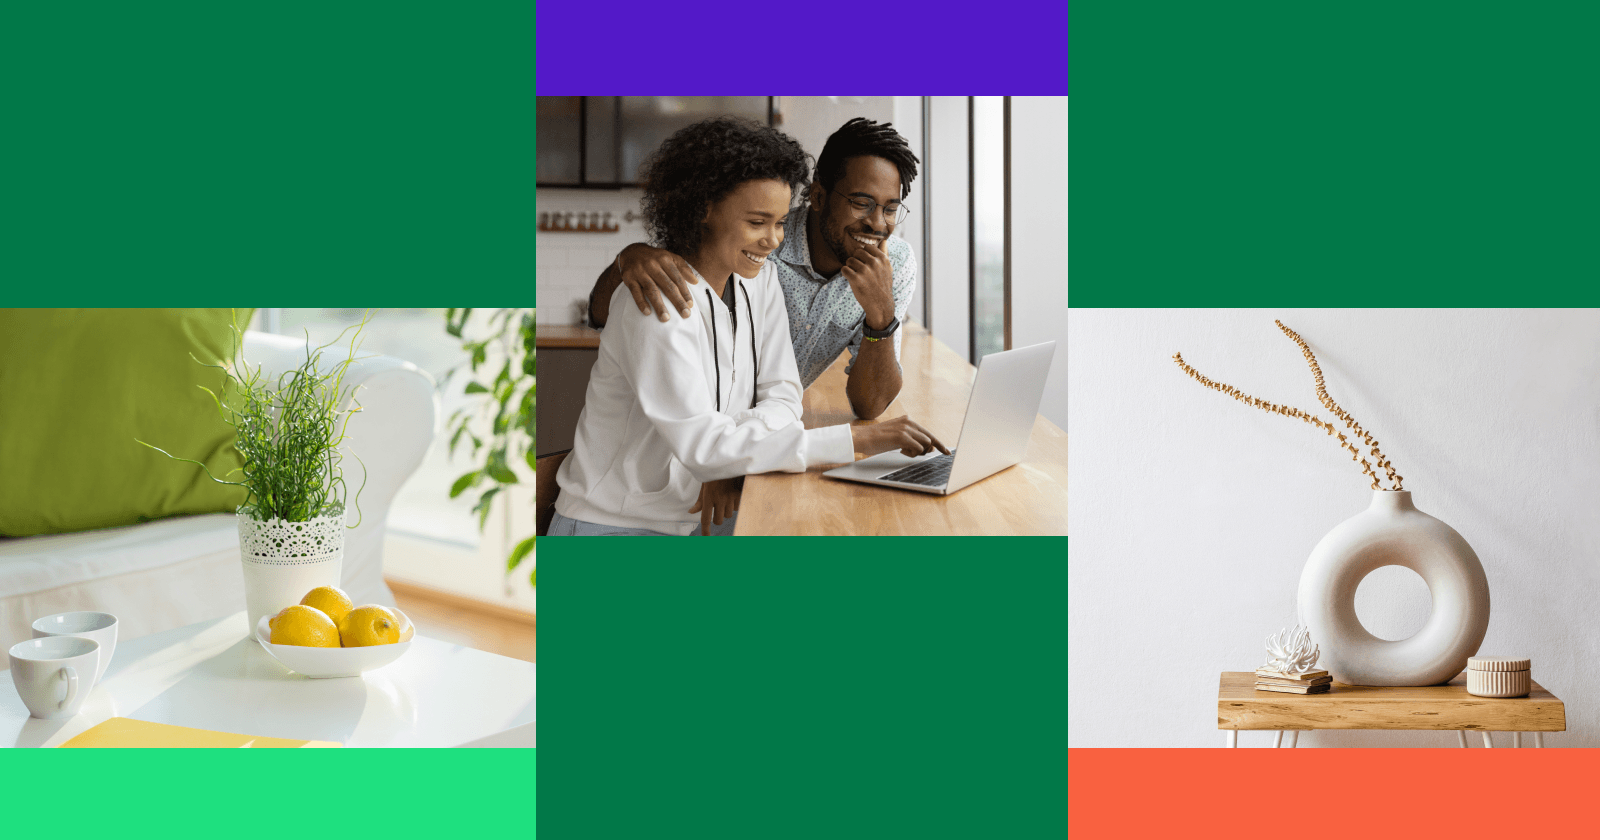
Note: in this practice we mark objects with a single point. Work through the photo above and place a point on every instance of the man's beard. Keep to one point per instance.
(831, 237)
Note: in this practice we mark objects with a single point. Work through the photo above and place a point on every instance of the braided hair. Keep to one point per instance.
(860, 137)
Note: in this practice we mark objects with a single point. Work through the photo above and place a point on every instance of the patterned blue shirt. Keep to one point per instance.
(824, 317)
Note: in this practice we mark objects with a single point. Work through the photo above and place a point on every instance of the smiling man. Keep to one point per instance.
(847, 280)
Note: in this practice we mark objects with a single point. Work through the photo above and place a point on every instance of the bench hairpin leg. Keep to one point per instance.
(1277, 739)
(1486, 741)
(1233, 737)
(1516, 739)
(1294, 738)
(1538, 740)
(1462, 735)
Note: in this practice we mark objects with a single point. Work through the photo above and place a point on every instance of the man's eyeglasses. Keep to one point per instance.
(894, 212)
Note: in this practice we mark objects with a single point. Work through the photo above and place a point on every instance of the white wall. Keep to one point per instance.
(1191, 514)
(810, 119)
(1039, 236)
(568, 263)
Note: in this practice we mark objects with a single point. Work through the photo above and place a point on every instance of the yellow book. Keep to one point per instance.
(127, 732)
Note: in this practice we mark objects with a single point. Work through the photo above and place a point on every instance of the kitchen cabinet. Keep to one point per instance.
(566, 354)
(601, 141)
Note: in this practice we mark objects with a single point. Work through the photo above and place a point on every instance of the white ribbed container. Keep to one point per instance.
(1499, 676)
(285, 560)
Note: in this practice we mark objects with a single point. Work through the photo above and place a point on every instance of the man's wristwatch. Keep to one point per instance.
(879, 335)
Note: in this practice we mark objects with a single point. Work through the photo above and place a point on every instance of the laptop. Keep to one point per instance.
(1000, 414)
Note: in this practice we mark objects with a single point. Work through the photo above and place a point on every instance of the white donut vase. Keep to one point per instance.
(1392, 532)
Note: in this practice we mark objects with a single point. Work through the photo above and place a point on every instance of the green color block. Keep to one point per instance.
(808, 687)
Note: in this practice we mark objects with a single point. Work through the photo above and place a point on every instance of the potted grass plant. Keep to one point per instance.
(288, 432)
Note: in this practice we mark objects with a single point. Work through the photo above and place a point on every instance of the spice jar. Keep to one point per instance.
(1499, 676)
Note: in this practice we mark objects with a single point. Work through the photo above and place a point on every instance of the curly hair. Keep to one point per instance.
(860, 137)
(700, 164)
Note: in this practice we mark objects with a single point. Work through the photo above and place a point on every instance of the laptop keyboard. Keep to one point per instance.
(934, 472)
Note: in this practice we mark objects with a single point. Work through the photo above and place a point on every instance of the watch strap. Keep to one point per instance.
(878, 335)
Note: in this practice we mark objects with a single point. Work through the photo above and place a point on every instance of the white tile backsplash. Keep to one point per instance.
(568, 263)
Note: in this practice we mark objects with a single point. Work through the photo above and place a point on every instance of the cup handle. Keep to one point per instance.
(69, 674)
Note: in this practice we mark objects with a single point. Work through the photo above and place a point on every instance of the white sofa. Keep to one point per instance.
(173, 572)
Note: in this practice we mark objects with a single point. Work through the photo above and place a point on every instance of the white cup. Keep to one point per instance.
(96, 626)
(52, 674)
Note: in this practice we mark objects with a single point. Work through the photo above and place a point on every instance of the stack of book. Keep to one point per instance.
(1310, 682)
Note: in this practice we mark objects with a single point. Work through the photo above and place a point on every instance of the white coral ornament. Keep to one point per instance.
(1291, 652)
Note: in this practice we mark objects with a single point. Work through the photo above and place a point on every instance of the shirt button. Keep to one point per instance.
(808, 326)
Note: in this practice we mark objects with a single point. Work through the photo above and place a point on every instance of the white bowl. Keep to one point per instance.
(321, 662)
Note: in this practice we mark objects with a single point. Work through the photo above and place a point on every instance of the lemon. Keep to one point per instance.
(331, 600)
(304, 626)
(369, 625)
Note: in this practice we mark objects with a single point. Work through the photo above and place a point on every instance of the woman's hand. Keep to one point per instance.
(900, 433)
(719, 500)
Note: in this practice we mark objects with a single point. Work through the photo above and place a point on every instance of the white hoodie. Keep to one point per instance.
(669, 407)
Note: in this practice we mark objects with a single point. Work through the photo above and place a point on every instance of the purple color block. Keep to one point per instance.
(722, 48)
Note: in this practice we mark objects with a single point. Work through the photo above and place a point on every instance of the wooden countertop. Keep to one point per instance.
(1240, 706)
(1027, 499)
(565, 335)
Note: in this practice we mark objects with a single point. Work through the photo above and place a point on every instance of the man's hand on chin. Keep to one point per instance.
(872, 280)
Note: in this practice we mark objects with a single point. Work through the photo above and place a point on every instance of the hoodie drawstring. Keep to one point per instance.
(755, 359)
(716, 355)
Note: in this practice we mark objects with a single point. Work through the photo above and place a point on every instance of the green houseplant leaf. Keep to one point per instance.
(521, 551)
(464, 482)
(506, 408)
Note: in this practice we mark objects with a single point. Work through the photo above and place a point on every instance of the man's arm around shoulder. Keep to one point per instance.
(657, 279)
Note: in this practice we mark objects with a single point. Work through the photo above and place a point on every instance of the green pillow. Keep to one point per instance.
(78, 386)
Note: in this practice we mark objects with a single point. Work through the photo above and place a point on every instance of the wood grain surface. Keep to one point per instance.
(565, 335)
(1027, 499)
(468, 621)
(1240, 706)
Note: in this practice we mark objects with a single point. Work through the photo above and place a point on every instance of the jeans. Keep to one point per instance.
(561, 526)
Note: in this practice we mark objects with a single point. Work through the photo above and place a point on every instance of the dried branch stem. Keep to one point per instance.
(1290, 411)
(1350, 422)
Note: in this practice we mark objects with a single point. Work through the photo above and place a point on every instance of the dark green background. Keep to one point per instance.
(288, 154)
(1401, 154)
(806, 687)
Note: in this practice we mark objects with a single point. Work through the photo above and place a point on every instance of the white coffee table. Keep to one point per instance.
(214, 675)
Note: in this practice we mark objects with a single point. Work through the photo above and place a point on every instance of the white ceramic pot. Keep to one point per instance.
(1392, 532)
(285, 560)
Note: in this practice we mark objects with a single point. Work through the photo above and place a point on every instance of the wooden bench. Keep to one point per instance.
(1440, 707)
